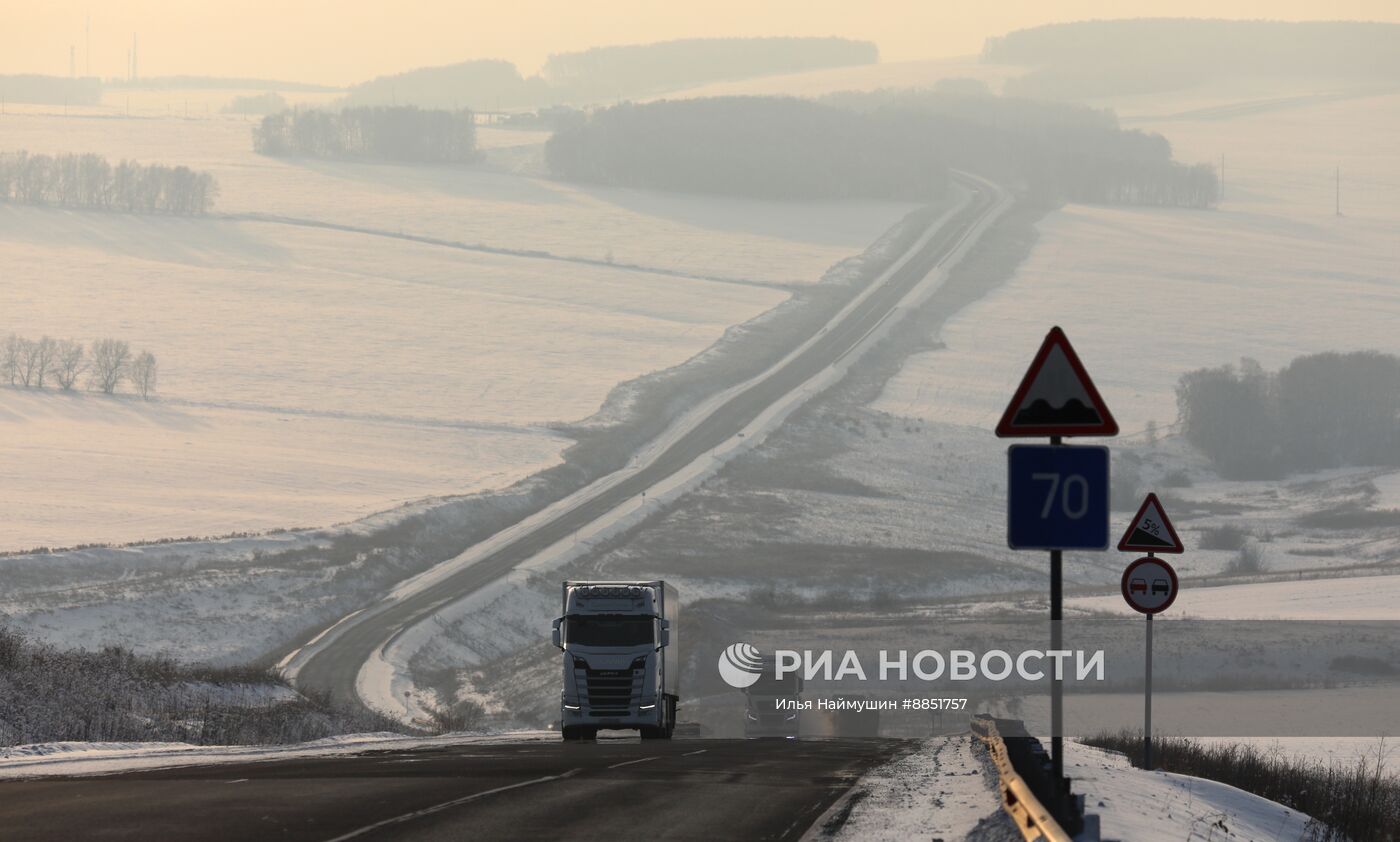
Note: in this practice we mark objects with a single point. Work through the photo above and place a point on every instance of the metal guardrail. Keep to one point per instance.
(1031, 817)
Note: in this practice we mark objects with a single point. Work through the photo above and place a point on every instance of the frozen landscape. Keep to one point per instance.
(370, 370)
(736, 313)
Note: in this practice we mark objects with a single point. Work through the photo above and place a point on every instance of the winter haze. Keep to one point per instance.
(333, 337)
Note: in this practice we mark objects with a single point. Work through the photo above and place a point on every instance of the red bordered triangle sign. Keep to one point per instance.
(1151, 531)
(1056, 397)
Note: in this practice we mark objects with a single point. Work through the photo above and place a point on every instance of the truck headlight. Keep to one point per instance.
(647, 707)
(790, 717)
(750, 715)
(572, 707)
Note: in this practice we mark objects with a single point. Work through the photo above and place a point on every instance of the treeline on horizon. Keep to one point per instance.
(880, 145)
(608, 73)
(90, 181)
(404, 133)
(1145, 55)
(1056, 151)
(764, 147)
(1321, 411)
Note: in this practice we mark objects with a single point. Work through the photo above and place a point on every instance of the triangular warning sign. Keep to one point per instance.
(1151, 531)
(1056, 397)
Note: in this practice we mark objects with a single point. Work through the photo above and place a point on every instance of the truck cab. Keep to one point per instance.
(620, 665)
(773, 705)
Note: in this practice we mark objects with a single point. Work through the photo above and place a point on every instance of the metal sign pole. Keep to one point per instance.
(1056, 398)
(1147, 704)
(1057, 690)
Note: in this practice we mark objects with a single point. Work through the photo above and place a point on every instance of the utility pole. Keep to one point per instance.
(1222, 176)
(1339, 191)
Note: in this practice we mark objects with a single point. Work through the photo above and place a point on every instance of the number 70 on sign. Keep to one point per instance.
(1058, 497)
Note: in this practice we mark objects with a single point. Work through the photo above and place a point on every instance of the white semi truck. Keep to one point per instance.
(772, 706)
(621, 663)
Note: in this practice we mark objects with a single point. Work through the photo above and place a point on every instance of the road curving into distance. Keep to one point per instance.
(332, 661)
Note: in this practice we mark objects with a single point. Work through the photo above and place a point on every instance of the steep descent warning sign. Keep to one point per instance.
(1151, 531)
(1056, 397)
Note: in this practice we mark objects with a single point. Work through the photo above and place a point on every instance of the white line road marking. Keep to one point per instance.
(693, 753)
(446, 805)
(630, 762)
(237, 781)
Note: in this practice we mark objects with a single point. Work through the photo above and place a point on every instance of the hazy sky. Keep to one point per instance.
(344, 41)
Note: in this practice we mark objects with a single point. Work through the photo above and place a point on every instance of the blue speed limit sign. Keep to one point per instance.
(1058, 497)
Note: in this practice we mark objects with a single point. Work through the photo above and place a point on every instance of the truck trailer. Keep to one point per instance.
(621, 661)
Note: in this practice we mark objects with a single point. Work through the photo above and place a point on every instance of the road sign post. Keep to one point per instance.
(1057, 495)
(1147, 702)
(1150, 587)
(1150, 531)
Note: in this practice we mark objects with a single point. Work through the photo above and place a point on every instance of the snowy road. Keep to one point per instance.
(333, 661)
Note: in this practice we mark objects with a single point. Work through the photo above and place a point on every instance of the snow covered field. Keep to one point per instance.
(82, 467)
(341, 323)
(1353, 599)
(314, 375)
(1147, 294)
(320, 375)
(489, 204)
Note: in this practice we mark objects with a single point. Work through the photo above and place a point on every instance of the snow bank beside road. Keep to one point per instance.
(941, 790)
(1135, 804)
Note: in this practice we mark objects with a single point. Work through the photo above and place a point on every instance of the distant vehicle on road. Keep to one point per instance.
(621, 666)
(772, 705)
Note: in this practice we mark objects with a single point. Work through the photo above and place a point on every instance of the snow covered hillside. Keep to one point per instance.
(487, 204)
(1138, 804)
(318, 375)
(1147, 294)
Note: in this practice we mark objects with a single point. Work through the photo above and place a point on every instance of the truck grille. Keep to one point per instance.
(610, 692)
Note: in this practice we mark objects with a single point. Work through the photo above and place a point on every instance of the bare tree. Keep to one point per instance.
(143, 373)
(26, 362)
(44, 352)
(68, 364)
(9, 359)
(111, 361)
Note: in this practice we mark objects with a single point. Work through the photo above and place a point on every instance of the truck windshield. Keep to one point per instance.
(610, 631)
(788, 685)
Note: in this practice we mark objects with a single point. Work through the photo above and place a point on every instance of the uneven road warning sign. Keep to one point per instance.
(1151, 531)
(1056, 397)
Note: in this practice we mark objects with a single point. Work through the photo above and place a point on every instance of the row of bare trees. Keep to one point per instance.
(90, 181)
(107, 364)
(399, 133)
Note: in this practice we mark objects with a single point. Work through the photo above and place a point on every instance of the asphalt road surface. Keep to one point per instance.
(335, 667)
(622, 789)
